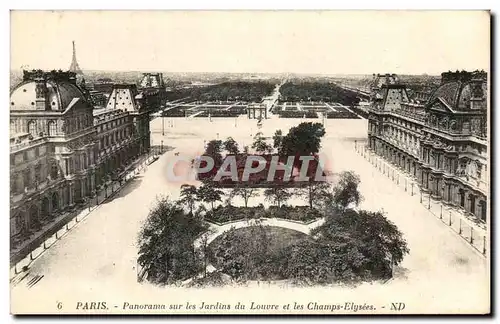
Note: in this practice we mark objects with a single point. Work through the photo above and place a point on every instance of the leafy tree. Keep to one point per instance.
(277, 195)
(231, 146)
(317, 262)
(375, 237)
(165, 241)
(346, 191)
(302, 140)
(228, 251)
(214, 150)
(188, 196)
(244, 192)
(313, 190)
(277, 139)
(245, 150)
(209, 194)
(259, 144)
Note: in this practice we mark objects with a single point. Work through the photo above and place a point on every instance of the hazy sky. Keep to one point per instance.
(330, 42)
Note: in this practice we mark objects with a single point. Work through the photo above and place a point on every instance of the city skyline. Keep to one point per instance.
(322, 162)
(231, 42)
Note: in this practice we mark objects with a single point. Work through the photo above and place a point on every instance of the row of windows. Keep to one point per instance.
(79, 162)
(26, 157)
(31, 176)
(403, 123)
(114, 138)
(34, 130)
(439, 161)
(111, 125)
(79, 122)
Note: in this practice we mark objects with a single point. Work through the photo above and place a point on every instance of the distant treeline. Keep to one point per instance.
(317, 91)
(226, 91)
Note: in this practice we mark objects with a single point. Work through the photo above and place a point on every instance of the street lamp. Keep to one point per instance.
(162, 124)
(161, 146)
(429, 206)
(420, 195)
(442, 197)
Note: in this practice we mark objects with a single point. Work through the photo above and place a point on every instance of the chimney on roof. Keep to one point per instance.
(41, 93)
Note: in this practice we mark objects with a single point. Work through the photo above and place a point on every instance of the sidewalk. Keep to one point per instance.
(50, 233)
(466, 226)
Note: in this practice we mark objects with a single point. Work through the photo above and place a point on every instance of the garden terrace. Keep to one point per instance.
(317, 91)
(291, 107)
(341, 115)
(175, 112)
(219, 113)
(360, 112)
(297, 114)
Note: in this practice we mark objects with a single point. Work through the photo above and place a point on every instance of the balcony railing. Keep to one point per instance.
(18, 146)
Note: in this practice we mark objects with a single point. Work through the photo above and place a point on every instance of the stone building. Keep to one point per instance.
(52, 152)
(441, 140)
(138, 105)
(62, 149)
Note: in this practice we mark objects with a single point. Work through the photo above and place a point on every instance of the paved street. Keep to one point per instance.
(98, 258)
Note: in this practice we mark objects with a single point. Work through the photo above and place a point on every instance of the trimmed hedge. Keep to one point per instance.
(296, 213)
(297, 114)
(223, 214)
(341, 115)
(219, 113)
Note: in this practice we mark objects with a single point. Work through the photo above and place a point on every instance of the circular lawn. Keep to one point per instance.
(254, 252)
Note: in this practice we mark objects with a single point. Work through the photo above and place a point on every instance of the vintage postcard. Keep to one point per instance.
(250, 162)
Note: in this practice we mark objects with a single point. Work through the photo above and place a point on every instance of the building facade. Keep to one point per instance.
(52, 152)
(62, 149)
(440, 139)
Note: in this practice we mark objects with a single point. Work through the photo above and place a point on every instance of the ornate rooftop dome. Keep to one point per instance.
(459, 88)
(45, 91)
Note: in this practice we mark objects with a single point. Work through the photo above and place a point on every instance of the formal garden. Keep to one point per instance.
(348, 247)
(206, 239)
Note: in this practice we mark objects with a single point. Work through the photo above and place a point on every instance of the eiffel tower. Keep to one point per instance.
(74, 67)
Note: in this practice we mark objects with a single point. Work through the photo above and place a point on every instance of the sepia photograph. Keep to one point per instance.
(250, 162)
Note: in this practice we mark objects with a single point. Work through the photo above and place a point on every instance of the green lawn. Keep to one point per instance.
(258, 245)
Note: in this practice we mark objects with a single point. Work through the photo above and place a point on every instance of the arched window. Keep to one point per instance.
(32, 127)
(52, 128)
(54, 170)
(13, 184)
(84, 158)
(26, 178)
(13, 128)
